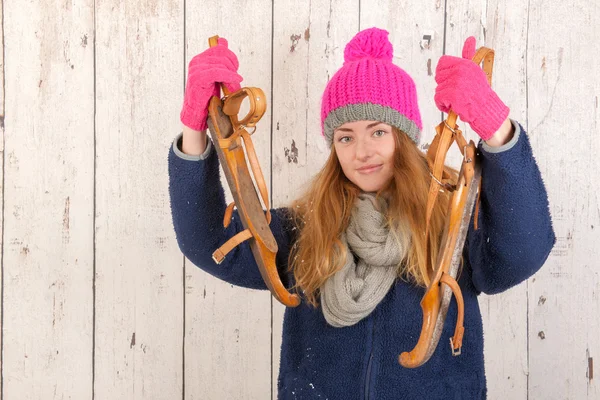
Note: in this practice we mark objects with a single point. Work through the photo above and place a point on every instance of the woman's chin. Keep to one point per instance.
(371, 182)
(368, 186)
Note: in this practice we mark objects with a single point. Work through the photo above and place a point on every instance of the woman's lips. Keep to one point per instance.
(369, 170)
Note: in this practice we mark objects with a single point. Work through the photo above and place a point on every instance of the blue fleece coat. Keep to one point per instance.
(318, 361)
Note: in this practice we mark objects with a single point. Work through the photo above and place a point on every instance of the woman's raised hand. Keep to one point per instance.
(463, 88)
(206, 71)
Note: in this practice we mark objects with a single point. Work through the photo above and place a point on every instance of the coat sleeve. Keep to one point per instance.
(515, 233)
(197, 208)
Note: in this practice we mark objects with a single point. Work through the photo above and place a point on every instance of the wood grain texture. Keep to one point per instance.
(228, 332)
(308, 47)
(564, 304)
(139, 274)
(48, 204)
(2, 156)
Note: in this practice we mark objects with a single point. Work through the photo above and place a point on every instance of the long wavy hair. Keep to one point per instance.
(323, 212)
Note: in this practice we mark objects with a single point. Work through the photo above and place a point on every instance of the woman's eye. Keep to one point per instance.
(379, 133)
(343, 139)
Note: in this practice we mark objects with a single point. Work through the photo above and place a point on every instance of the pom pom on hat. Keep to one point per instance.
(370, 43)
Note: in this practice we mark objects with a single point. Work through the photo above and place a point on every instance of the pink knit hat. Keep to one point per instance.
(370, 87)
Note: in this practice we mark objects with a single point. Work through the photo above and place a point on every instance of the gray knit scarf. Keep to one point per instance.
(354, 291)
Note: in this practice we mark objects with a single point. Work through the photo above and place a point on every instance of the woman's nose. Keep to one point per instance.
(364, 150)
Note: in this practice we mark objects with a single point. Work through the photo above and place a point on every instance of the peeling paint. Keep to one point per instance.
(590, 367)
(132, 341)
(295, 39)
(543, 65)
(429, 73)
(161, 242)
(13, 161)
(307, 34)
(292, 154)
(84, 41)
(542, 300)
(16, 242)
(57, 314)
(560, 56)
(66, 220)
(542, 335)
(425, 42)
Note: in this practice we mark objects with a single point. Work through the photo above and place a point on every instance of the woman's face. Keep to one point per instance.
(365, 150)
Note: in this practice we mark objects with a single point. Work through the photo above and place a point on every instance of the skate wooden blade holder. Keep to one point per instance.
(228, 132)
(465, 194)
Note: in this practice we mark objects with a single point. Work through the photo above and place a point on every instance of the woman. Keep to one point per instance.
(353, 245)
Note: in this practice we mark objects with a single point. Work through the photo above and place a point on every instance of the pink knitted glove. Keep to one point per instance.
(463, 88)
(206, 70)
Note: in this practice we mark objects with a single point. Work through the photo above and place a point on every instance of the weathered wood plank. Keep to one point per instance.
(139, 274)
(563, 87)
(48, 204)
(541, 338)
(502, 26)
(2, 155)
(308, 48)
(228, 334)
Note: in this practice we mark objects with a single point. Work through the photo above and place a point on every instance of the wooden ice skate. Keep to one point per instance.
(227, 133)
(443, 282)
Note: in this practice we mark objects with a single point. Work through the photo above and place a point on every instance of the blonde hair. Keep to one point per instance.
(323, 212)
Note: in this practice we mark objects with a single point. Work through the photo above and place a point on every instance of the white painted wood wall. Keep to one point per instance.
(98, 302)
